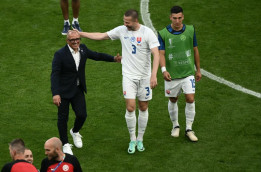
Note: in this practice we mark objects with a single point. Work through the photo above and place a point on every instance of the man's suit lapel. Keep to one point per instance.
(69, 56)
(81, 56)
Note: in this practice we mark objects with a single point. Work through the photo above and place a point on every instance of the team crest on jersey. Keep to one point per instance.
(65, 168)
(133, 39)
(188, 53)
(183, 37)
(139, 40)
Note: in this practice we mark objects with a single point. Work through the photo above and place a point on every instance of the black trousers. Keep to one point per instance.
(79, 107)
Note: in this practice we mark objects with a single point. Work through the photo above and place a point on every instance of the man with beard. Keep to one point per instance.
(57, 160)
(138, 43)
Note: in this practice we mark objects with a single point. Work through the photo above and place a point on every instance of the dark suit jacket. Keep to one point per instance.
(64, 74)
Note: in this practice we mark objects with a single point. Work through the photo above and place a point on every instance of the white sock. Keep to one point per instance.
(190, 115)
(142, 123)
(131, 124)
(67, 21)
(173, 113)
(75, 19)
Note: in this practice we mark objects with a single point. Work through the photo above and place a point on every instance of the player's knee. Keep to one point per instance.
(173, 99)
(130, 108)
(190, 100)
(143, 105)
(143, 108)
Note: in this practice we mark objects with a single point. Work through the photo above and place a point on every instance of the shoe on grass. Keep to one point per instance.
(132, 145)
(175, 131)
(77, 139)
(140, 146)
(67, 148)
(191, 135)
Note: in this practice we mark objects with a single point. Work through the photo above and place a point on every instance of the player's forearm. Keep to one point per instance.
(155, 68)
(94, 35)
(162, 58)
(156, 61)
(197, 58)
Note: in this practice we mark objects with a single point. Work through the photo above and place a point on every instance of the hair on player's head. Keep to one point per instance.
(176, 9)
(17, 145)
(132, 13)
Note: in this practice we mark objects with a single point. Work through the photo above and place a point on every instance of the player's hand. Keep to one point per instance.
(77, 31)
(57, 100)
(198, 76)
(166, 76)
(117, 58)
(153, 82)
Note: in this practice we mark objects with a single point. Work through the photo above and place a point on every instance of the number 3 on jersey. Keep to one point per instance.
(134, 49)
(148, 91)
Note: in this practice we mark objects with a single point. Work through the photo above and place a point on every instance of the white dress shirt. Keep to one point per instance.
(76, 57)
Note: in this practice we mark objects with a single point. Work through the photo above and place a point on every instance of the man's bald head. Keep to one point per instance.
(53, 149)
(54, 142)
(72, 32)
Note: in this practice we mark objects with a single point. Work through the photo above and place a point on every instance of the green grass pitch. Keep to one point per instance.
(227, 121)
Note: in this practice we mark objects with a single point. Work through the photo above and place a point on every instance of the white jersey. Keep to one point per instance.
(136, 50)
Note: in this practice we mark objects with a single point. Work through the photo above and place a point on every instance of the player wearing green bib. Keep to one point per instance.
(178, 55)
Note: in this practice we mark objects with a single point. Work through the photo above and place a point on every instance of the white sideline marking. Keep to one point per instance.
(145, 15)
(230, 84)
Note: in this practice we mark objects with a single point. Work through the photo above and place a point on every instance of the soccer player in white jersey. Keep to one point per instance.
(138, 42)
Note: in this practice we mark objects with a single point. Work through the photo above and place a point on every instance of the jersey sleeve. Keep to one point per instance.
(195, 43)
(115, 33)
(152, 39)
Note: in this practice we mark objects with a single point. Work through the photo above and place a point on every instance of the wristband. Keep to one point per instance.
(163, 69)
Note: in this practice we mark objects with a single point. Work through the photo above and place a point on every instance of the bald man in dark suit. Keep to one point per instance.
(68, 85)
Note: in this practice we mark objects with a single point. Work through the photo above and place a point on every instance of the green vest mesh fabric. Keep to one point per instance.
(179, 52)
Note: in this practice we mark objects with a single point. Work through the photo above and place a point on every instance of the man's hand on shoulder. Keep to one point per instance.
(117, 58)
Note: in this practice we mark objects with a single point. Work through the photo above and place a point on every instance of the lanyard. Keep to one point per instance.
(53, 170)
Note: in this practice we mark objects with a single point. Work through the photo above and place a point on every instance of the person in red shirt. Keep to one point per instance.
(19, 164)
